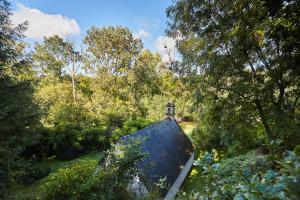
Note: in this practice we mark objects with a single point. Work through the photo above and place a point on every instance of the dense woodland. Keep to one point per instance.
(236, 79)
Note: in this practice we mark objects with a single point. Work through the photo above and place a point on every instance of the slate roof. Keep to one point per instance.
(168, 151)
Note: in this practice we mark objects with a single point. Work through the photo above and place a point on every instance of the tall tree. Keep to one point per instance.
(17, 107)
(54, 56)
(51, 56)
(113, 48)
(110, 56)
(247, 51)
(18, 110)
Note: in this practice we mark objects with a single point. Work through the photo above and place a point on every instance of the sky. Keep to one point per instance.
(145, 18)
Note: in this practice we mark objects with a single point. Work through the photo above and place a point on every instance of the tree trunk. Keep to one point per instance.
(73, 87)
(264, 120)
(73, 79)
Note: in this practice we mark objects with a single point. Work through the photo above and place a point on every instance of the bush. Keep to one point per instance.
(208, 137)
(115, 120)
(39, 147)
(4, 172)
(94, 138)
(84, 180)
(249, 180)
(297, 150)
(251, 161)
(29, 172)
(112, 179)
(65, 139)
(67, 183)
(130, 126)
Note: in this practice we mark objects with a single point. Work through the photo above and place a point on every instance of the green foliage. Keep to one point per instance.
(238, 78)
(110, 47)
(68, 140)
(247, 177)
(17, 106)
(67, 182)
(4, 172)
(56, 100)
(297, 150)
(29, 172)
(65, 140)
(51, 56)
(130, 126)
(94, 138)
(84, 180)
(239, 56)
(113, 177)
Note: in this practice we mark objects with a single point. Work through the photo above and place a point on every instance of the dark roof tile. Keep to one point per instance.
(168, 151)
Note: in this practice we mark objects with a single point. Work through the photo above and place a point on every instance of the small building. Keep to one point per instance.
(170, 154)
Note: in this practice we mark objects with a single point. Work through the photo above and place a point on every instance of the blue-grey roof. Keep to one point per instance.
(168, 151)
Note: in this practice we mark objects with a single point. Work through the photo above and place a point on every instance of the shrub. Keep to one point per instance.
(130, 126)
(29, 172)
(250, 180)
(67, 183)
(251, 161)
(65, 139)
(39, 147)
(297, 150)
(94, 137)
(4, 171)
(84, 180)
(115, 120)
(113, 177)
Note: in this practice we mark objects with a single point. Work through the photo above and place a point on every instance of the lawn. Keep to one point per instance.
(55, 164)
(28, 192)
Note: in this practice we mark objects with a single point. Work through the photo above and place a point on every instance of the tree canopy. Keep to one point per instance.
(247, 53)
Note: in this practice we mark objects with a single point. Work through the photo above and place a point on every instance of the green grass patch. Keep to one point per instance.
(56, 164)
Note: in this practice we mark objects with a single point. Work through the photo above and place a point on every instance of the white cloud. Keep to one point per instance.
(166, 47)
(42, 24)
(148, 24)
(142, 34)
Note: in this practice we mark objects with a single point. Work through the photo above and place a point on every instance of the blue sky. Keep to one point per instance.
(145, 18)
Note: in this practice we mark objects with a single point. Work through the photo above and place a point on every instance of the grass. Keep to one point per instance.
(56, 164)
(28, 192)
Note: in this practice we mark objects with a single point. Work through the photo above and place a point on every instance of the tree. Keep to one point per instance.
(76, 58)
(55, 55)
(58, 64)
(246, 52)
(113, 48)
(18, 110)
(51, 56)
(17, 107)
(111, 54)
(143, 80)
